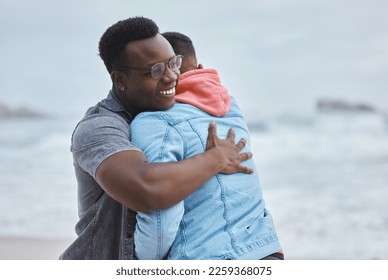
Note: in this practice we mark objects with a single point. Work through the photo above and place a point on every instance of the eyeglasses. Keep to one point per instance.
(158, 69)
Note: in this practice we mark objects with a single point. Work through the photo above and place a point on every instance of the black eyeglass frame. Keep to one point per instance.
(165, 64)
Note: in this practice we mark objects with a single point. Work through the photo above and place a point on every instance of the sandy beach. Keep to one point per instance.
(18, 248)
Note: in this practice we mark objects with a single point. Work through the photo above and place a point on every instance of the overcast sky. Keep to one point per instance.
(273, 55)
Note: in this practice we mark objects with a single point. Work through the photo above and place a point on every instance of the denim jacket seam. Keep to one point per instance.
(92, 234)
(129, 218)
(159, 234)
(184, 242)
(226, 215)
(193, 127)
(263, 241)
(172, 124)
(159, 241)
(165, 140)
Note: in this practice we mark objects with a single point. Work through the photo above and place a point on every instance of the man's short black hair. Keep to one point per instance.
(180, 43)
(113, 41)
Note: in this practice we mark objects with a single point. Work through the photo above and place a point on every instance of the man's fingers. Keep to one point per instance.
(245, 156)
(241, 144)
(212, 129)
(212, 135)
(231, 135)
(242, 168)
(245, 169)
(232, 150)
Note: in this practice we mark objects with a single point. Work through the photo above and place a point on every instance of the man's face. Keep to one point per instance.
(142, 92)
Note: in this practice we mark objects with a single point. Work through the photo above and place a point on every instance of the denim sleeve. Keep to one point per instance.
(96, 138)
(155, 231)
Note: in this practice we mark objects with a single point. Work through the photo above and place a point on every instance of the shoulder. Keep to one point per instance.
(98, 124)
(156, 116)
(234, 108)
(168, 117)
(147, 125)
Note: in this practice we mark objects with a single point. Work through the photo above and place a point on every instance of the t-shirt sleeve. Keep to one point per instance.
(97, 137)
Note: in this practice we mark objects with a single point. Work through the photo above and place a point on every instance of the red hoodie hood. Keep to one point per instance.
(202, 88)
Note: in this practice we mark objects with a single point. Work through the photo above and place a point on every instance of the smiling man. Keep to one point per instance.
(114, 177)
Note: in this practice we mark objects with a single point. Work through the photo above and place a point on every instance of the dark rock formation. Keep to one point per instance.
(20, 112)
(328, 105)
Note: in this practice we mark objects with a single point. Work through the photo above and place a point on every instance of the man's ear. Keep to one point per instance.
(117, 78)
(200, 66)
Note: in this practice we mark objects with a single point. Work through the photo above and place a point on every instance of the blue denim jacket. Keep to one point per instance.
(105, 227)
(224, 219)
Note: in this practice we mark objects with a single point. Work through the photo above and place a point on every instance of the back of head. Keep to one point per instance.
(184, 46)
(113, 41)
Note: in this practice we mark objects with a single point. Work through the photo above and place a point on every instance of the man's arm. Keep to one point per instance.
(129, 178)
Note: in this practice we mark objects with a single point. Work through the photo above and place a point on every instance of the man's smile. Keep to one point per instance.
(168, 92)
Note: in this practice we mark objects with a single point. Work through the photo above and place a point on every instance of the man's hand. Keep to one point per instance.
(229, 150)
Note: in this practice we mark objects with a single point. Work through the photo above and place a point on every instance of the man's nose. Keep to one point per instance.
(170, 76)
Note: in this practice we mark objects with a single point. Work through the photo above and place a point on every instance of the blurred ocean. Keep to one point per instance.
(325, 180)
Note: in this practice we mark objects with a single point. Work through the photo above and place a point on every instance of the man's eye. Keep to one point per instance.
(146, 72)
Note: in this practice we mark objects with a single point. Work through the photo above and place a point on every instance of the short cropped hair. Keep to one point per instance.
(113, 41)
(180, 43)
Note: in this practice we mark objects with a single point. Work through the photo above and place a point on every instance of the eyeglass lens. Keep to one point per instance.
(158, 70)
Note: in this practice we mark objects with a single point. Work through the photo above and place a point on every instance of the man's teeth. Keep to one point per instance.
(168, 92)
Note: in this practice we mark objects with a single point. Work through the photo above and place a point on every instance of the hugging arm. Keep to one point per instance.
(141, 185)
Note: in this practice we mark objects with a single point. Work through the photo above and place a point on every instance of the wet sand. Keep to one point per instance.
(18, 248)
